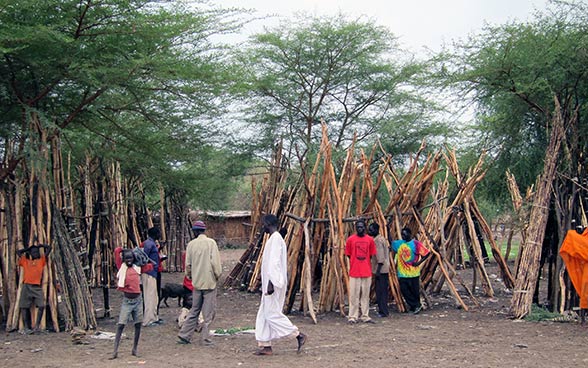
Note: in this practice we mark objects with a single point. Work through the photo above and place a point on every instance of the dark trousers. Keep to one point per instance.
(382, 286)
(410, 289)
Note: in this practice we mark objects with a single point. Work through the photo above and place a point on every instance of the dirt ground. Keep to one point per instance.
(441, 336)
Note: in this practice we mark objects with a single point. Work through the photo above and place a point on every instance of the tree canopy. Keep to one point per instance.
(513, 73)
(129, 80)
(348, 73)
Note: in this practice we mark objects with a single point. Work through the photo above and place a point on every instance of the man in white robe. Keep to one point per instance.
(271, 323)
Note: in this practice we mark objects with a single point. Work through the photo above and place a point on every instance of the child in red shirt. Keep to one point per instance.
(32, 263)
(129, 282)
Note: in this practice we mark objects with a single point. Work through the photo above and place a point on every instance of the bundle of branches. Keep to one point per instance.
(271, 197)
(33, 218)
(318, 212)
(84, 221)
(528, 271)
(458, 225)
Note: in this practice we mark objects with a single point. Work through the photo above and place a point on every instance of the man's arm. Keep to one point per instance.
(421, 260)
(379, 269)
(188, 264)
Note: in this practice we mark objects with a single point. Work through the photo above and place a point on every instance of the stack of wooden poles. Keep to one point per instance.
(318, 210)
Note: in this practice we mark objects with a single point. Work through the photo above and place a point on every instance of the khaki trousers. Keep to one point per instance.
(202, 301)
(150, 299)
(359, 298)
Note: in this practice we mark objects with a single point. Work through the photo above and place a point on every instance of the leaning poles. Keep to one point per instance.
(527, 276)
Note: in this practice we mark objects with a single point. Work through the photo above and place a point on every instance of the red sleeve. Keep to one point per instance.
(22, 261)
(118, 257)
(147, 268)
(348, 250)
(421, 249)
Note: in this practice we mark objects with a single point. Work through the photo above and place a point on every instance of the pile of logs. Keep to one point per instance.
(319, 207)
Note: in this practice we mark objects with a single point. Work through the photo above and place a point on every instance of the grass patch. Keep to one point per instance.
(502, 244)
(231, 331)
(538, 314)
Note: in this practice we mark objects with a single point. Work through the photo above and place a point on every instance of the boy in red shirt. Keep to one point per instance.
(32, 263)
(360, 248)
(129, 282)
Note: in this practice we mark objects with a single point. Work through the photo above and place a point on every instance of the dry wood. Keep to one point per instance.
(526, 278)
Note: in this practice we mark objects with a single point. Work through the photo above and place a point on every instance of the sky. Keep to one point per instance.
(418, 24)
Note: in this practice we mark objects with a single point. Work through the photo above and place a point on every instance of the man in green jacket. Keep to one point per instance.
(203, 267)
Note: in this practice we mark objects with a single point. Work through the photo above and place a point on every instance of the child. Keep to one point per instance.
(32, 263)
(129, 282)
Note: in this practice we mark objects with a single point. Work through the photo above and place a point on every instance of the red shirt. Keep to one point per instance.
(360, 249)
(132, 282)
(33, 269)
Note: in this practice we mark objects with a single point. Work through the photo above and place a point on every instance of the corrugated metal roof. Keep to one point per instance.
(225, 214)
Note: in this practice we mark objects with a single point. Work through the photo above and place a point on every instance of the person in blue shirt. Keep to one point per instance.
(149, 279)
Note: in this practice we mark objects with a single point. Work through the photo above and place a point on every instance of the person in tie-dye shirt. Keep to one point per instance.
(410, 254)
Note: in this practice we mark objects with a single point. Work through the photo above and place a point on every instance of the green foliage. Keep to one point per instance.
(512, 73)
(539, 314)
(347, 73)
(132, 81)
(232, 330)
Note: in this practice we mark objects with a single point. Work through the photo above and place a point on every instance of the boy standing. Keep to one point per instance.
(129, 283)
(32, 263)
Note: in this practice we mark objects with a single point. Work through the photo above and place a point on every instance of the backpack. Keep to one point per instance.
(141, 258)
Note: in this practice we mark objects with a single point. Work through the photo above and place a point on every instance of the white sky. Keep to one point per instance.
(417, 23)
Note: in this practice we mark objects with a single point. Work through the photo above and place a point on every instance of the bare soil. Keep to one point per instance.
(441, 336)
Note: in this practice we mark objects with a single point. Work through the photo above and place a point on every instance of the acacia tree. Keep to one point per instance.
(517, 74)
(512, 73)
(348, 73)
(131, 80)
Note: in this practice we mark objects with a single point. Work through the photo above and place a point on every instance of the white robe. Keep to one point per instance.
(271, 323)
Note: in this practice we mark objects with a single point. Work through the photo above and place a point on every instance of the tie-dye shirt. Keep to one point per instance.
(407, 253)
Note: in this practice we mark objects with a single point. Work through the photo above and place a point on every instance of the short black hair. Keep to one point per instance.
(127, 251)
(406, 232)
(154, 233)
(271, 220)
(375, 226)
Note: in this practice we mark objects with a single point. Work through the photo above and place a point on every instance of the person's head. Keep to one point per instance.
(406, 234)
(128, 257)
(360, 227)
(35, 252)
(198, 227)
(154, 233)
(373, 229)
(270, 223)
